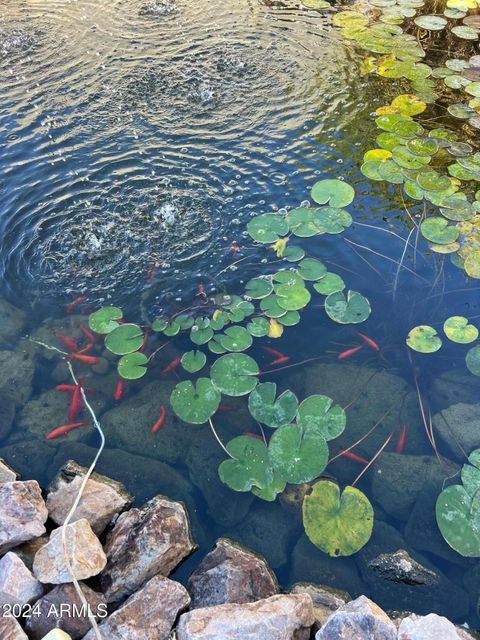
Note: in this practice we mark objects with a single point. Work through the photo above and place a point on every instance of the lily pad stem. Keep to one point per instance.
(372, 460)
(219, 441)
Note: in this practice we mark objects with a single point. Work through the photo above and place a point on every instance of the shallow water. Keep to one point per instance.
(137, 138)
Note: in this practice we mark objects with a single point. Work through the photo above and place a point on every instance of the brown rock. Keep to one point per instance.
(7, 474)
(147, 615)
(231, 574)
(17, 584)
(283, 617)
(62, 608)
(102, 498)
(27, 551)
(22, 513)
(144, 542)
(326, 600)
(359, 619)
(11, 630)
(85, 553)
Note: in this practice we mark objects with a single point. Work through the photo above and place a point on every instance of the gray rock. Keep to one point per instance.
(28, 458)
(17, 584)
(144, 542)
(7, 474)
(360, 619)
(399, 567)
(61, 608)
(12, 324)
(101, 500)
(457, 426)
(84, 551)
(230, 574)
(16, 376)
(325, 600)
(22, 513)
(430, 627)
(7, 415)
(10, 629)
(149, 614)
(283, 617)
(454, 386)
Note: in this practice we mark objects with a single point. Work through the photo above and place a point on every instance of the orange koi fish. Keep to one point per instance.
(84, 359)
(349, 455)
(171, 366)
(371, 343)
(75, 408)
(281, 360)
(67, 342)
(119, 389)
(274, 352)
(88, 334)
(349, 352)
(224, 408)
(70, 307)
(66, 428)
(160, 422)
(402, 439)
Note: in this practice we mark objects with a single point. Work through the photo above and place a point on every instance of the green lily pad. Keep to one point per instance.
(250, 466)
(424, 339)
(336, 193)
(391, 172)
(132, 366)
(105, 319)
(312, 269)
(270, 492)
(438, 230)
(193, 361)
(200, 334)
(332, 220)
(422, 146)
(388, 140)
(195, 403)
(458, 330)
(472, 264)
(172, 329)
(235, 339)
(234, 374)
(298, 455)
(389, 121)
(465, 33)
(409, 160)
(126, 338)
(350, 309)
(290, 319)
(267, 228)
(293, 254)
(316, 4)
(319, 413)
(329, 283)
(159, 324)
(338, 524)
(371, 169)
(431, 23)
(292, 295)
(460, 111)
(408, 129)
(409, 104)
(219, 320)
(258, 327)
(258, 288)
(185, 321)
(302, 222)
(271, 308)
(269, 410)
(472, 360)
(433, 181)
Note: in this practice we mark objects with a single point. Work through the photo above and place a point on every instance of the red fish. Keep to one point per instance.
(349, 352)
(371, 343)
(145, 341)
(160, 422)
(274, 352)
(224, 408)
(119, 389)
(86, 348)
(66, 428)
(171, 366)
(70, 307)
(281, 360)
(75, 408)
(84, 359)
(349, 455)
(88, 334)
(68, 342)
(249, 434)
(66, 387)
(402, 439)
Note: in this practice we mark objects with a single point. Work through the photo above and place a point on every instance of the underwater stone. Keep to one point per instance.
(325, 600)
(28, 457)
(16, 375)
(400, 567)
(452, 387)
(17, 584)
(7, 415)
(12, 323)
(7, 474)
(430, 627)
(73, 621)
(101, 500)
(149, 613)
(282, 617)
(22, 513)
(360, 619)
(458, 427)
(85, 553)
(11, 630)
(144, 542)
(231, 574)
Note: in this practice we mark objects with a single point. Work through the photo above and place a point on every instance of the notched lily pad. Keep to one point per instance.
(350, 309)
(266, 408)
(458, 330)
(424, 339)
(126, 338)
(234, 374)
(132, 366)
(250, 466)
(336, 193)
(195, 402)
(105, 319)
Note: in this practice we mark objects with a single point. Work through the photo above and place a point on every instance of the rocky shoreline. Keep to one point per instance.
(123, 556)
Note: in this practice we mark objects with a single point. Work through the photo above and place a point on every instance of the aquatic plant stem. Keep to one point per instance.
(217, 438)
(289, 366)
(379, 452)
(365, 435)
(397, 273)
(381, 255)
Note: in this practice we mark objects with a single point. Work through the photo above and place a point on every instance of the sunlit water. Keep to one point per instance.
(137, 139)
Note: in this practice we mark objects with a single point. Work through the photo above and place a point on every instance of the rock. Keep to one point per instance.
(10, 629)
(22, 513)
(57, 634)
(398, 480)
(102, 498)
(12, 324)
(62, 608)
(85, 553)
(7, 415)
(27, 551)
(7, 474)
(230, 574)
(149, 614)
(457, 426)
(28, 458)
(453, 386)
(255, 532)
(325, 600)
(430, 627)
(144, 542)
(16, 375)
(359, 619)
(400, 567)
(309, 563)
(17, 584)
(282, 617)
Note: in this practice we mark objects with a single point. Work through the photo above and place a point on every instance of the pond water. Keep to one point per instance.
(137, 141)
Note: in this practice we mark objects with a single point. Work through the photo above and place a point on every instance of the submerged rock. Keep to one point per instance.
(22, 513)
(12, 324)
(84, 550)
(7, 415)
(7, 474)
(17, 584)
(101, 500)
(28, 457)
(230, 574)
(16, 376)
(325, 600)
(282, 617)
(452, 387)
(458, 427)
(401, 568)
(360, 619)
(430, 627)
(11, 630)
(144, 542)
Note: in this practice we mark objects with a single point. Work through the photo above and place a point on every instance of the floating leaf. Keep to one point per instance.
(438, 230)
(298, 455)
(201, 334)
(472, 264)
(433, 181)
(258, 327)
(319, 413)
(270, 492)
(267, 228)
(458, 330)
(424, 339)
(271, 308)
(195, 403)
(422, 146)
(269, 410)
(172, 329)
(312, 269)
(105, 319)
(275, 329)
(431, 22)
(293, 254)
(464, 32)
(132, 366)
(332, 220)
(338, 524)
(193, 361)
(409, 104)
(250, 466)
(234, 374)
(352, 309)
(472, 360)
(126, 338)
(302, 222)
(235, 339)
(258, 288)
(336, 193)
(291, 294)
(330, 283)
(316, 4)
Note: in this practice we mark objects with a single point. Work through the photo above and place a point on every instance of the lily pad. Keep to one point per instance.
(350, 309)
(159, 324)
(329, 283)
(472, 264)
(195, 403)
(172, 329)
(431, 22)
(332, 220)
(336, 193)
(201, 334)
(269, 410)
(250, 466)
(318, 412)
(235, 339)
(472, 360)
(433, 181)
(267, 228)
(409, 104)
(132, 366)
(293, 254)
(438, 230)
(339, 524)
(105, 319)
(271, 308)
(316, 4)
(298, 455)
(311, 269)
(302, 222)
(193, 361)
(270, 492)
(258, 288)
(424, 339)
(258, 327)
(292, 296)
(465, 33)
(126, 338)
(234, 374)
(458, 330)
